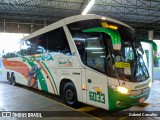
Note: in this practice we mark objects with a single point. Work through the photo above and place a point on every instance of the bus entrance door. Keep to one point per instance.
(97, 93)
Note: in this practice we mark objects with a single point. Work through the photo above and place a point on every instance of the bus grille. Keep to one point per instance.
(139, 92)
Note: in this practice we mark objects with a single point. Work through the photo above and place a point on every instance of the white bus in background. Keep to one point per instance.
(85, 58)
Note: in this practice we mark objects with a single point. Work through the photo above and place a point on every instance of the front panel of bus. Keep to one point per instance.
(116, 75)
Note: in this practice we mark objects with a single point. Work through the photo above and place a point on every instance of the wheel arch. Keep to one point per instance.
(8, 75)
(62, 83)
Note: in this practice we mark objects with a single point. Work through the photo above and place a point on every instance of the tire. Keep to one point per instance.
(70, 95)
(13, 80)
(10, 82)
(9, 79)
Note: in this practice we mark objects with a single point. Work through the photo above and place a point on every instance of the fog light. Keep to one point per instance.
(118, 103)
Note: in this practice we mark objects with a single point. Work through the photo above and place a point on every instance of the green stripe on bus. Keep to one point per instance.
(40, 78)
(50, 75)
(114, 34)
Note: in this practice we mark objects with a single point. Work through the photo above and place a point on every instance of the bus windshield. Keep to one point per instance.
(129, 62)
(109, 48)
(140, 68)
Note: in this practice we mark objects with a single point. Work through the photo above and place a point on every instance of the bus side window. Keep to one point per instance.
(36, 45)
(57, 41)
(25, 48)
(41, 42)
(95, 52)
(79, 40)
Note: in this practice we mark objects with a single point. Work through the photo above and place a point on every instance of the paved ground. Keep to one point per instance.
(157, 75)
(21, 98)
(156, 71)
(153, 104)
(14, 98)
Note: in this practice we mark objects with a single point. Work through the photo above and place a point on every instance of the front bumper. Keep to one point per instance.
(119, 101)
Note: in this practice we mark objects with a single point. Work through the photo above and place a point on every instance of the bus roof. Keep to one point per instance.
(69, 20)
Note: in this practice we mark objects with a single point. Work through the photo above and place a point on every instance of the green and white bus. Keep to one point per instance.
(84, 58)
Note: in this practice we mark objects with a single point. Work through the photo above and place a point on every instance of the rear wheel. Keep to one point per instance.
(9, 78)
(70, 95)
(13, 80)
(10, 82)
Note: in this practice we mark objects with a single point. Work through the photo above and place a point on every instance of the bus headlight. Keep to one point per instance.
(122, 90)
(150, 84)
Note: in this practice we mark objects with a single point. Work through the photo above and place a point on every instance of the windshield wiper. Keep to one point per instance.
(140, 64)
(143, 66)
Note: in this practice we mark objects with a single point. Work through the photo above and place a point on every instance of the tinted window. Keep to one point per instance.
(53, 41)
(26, 48)
(90, 46)
(95, 52)
(36, 45)
(57, 41)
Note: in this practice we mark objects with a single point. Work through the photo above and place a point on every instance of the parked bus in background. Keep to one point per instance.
(85, 58)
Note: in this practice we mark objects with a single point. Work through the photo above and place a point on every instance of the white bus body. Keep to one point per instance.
(64, 72)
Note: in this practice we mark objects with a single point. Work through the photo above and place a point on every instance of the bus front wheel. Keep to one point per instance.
(70, 95)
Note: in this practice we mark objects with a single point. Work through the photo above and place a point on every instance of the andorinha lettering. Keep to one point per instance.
(139, 86)
(38, 58)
